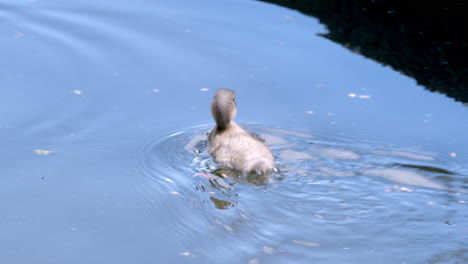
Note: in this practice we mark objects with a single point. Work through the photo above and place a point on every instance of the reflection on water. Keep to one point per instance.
(404, 154)
(404, 177)
(425, 42)
(221, 204)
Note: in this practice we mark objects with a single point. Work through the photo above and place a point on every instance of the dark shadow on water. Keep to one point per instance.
(221, 204)
(423, 40)
(225, 181)
(426, 168)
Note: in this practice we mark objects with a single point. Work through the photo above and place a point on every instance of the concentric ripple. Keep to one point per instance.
(178, 163)
(325, 185)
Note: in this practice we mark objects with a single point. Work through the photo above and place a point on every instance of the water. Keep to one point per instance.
(105, 111)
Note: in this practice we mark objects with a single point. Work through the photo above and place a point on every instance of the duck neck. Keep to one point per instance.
(222, 116)
(222, 125)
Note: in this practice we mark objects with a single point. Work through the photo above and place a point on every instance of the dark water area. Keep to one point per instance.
(104, 115)
(424, 41)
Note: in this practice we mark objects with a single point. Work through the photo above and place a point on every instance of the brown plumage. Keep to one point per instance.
(232, 146)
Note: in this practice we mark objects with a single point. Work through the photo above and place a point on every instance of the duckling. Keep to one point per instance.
(232, 146)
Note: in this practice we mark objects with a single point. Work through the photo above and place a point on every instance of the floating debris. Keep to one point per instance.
(204, 89)
(77, 92)
(42, 152)
(362, 96)
(155, 90)
(268, 250)
(319, 216)
(18, 34)
(306, 243)
(406, 189)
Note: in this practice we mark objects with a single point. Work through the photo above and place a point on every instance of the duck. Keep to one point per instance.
(231, 145)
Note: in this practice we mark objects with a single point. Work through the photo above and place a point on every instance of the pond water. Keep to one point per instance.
(103, 123)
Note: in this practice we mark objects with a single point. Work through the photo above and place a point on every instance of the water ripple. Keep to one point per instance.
(334, 182)
(81, 33)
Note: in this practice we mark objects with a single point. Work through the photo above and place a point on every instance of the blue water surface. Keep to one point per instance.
(103, 120)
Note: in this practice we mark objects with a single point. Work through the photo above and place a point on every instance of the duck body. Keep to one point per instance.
(231, 145)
